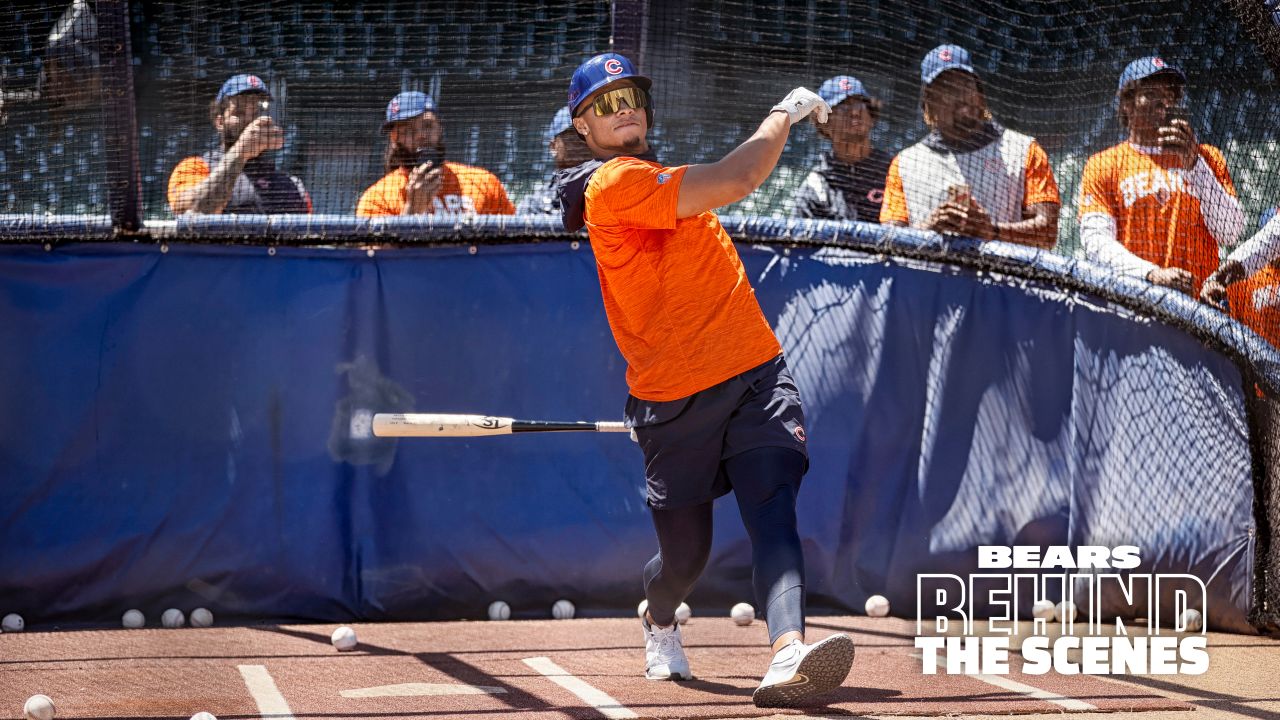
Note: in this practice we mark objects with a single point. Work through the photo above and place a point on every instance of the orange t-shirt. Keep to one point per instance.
(464, 190)
(1256, 303)
(1157, 217)
(191, 172)
(676, 294)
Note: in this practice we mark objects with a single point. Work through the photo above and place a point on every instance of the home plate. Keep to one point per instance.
(421, 689)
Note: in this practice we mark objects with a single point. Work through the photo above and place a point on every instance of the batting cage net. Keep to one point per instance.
(115, 111)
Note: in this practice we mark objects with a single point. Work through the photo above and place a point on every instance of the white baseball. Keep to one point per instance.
(173, 618)
(133, 619)
(742, 614)
(562, 610)
(877, 606)
(13, 622)
(499, 610)
(38, 707)
(642, 608)
(683, 613)
(203, 715)
(1191, 620)
(1065, 612)
(201, 618)
(1043, 609)
(344, 638)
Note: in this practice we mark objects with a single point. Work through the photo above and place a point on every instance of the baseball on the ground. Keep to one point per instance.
(1043, 609)
(344, 638)
(683, 613)
(203, 715)
(173, 618)
(201, 618)
(562, 610)
(642, 608)
(1065, 612)
(877, 606)
(13, 622)
(1190, 620)
(133, 619)
(499, 610)
(742, 614)
(38, 707)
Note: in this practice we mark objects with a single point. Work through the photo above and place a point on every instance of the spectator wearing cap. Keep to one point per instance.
(240, 176)
(1160, 204)
(419, 179)
(567, 150)
(848, 183)
(970, 175)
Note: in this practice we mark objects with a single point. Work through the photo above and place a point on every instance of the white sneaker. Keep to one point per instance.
(664, 653)
(799, 672)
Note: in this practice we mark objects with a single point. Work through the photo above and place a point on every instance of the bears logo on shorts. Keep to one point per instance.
(799, 433)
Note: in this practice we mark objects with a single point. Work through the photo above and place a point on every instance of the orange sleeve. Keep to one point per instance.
(894, 208)
(189, 173)
(381, 199)
(1218, 164)
(496, 200)
(637, 194)
(1097, 195)
(1040, 185)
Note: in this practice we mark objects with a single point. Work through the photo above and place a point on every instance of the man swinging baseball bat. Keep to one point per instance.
(711, 401)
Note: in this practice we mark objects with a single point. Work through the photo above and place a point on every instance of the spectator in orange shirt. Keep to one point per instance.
(712, 404)
(419, 179)
(240, 176)
(970, 176)
(1160, 204)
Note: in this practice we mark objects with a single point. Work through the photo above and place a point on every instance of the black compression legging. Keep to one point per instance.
(765, 481)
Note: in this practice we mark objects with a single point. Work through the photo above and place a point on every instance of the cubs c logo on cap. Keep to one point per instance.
(612, 66)
(845, 84)
(395, 106)
(945, 56)
(1157, 62)
(254, 81)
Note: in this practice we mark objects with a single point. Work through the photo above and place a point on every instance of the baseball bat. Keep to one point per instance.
(443, 425)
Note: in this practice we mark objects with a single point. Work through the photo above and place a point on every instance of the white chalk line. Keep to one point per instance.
(1030, 691)
(597, 699)
(271, 704)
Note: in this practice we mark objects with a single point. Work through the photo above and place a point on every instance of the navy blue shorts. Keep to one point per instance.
(685, 441)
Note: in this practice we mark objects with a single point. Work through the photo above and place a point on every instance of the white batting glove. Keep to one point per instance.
(800, 102)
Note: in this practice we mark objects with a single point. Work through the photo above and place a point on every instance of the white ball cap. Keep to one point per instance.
(877, 606)
(133, 619)
(743, 614)
(499, 610)
(562, 610)
(38, 707)
(13, 622)
(344, 638)
(203, 715)
(683, 613)
(201, 618)
(173, 618)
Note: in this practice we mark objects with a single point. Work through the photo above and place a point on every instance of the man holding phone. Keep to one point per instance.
(419, 179)
(1160, 204)
(240, 176)
(970, 176)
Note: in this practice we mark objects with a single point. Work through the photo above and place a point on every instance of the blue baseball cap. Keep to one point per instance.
(1143, 68)
(561, 122)
(841, 88)
(599, 71)
(241, 84)
(942, 59)
(407, 105)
